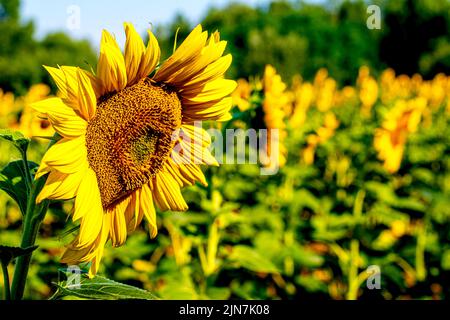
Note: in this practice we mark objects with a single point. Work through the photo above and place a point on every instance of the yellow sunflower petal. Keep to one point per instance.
(75, 255)
(130, 213)
(197, 134)
(167, 193)
(171, 167)
(101, 246)
(187, 52)
(138, 213)
(213, 90)
(212, 72)
(147, 207)
(118, 230)
(61, 186)
(71, 82)
(193, 173)
(194, 154)
(88, 207)
(87, 102)
(134, 50)
(212, 52)
(59, 78)
(151, 57)
(187, 174)
(111, 69)
(192, 147)
(42, 170)
(63, 119)
(66, 80)
(67, 155)
(212, 110)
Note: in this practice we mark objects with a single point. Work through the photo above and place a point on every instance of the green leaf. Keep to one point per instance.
(100, 288)
(445, 262)
(217, 293)
(12, 181)
(16, 137)
(311, 284)
(305, 258)
(7, 254)
(250, 259)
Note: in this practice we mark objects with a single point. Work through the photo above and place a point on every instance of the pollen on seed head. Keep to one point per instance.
(131, 136)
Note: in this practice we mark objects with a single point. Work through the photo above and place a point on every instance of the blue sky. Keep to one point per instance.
(95, 15)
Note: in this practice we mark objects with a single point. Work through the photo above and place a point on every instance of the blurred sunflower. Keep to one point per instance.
(390, 140)
(30, 124)
(241, 95)
(7, 105)
(126, 132)
(275, 107)
(303, 94)
(368, 90)
(322, 135)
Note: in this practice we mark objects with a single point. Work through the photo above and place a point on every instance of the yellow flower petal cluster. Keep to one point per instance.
(323, 134)
(399, 122)
(275, 107)
(17, 114)
(242, 95)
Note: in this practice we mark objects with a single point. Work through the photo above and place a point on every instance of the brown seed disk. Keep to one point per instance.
(131, 136)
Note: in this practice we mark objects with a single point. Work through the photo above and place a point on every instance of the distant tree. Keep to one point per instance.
(417, 36)
(22, 56)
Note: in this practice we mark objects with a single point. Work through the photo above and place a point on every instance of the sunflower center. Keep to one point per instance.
(131, 136)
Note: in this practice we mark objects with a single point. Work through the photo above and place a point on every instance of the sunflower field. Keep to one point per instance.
(357, 207)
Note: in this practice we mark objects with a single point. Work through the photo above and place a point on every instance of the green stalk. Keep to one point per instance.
(34, 215)
(353, 280)
(421, 271)
(28, 179)
(6, 281)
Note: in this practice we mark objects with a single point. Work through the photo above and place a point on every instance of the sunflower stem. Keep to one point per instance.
(34, 215)
(28, 179)
(6, 281)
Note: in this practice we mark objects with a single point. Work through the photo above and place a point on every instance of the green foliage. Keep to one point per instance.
(296, 38)
(7, 254)
(246, 257)
(100, 288)
(17, 138)
(12, 181)
(300, 37)
(22, 56)
(416, 36)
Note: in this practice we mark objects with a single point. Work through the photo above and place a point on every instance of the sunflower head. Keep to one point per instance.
(122, 134)
(131, 136)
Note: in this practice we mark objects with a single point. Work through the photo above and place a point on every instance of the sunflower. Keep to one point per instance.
(368, 95)
(303, 95)
(8, 109)
(127, 132)
(275, 107)
(30, 124)
(391, 138)
(241, 95)
(322, 135)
